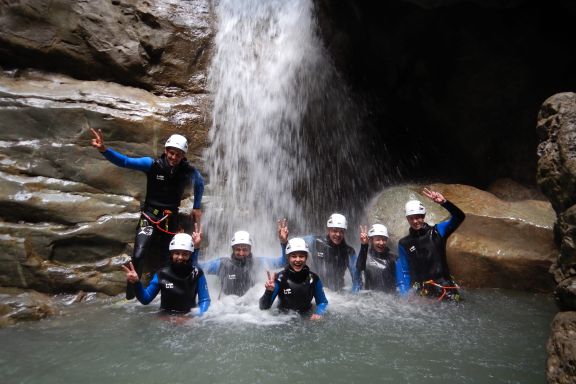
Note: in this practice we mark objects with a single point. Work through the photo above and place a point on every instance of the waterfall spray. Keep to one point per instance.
(274, 98)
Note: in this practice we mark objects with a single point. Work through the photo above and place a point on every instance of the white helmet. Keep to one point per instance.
(177, 141)
(337, 220)
(414, 207)
(378, 230)
(181, 242)
(241, 237)
(297, 244)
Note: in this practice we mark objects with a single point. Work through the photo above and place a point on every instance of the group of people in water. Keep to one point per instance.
(307, 264)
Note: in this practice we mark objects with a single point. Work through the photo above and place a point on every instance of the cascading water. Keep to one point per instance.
(280, 138)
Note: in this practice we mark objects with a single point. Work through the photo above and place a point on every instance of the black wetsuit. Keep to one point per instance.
(379, 268)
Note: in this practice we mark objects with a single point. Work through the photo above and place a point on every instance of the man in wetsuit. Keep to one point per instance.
(167, 178)
(376, 260)
(236, 273)
(331, 256)
(422, 254)
(180, 282)
(296, 285)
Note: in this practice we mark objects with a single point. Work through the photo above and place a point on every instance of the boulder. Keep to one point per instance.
(501, 244)
(561, 363)
(17, 305)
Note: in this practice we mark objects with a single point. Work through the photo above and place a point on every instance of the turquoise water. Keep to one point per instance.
(493, 337)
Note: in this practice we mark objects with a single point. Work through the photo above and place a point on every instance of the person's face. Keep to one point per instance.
(336, 235)
(174, 156)
(297, 260)
(180, 256)
(379, 243)
(241, 251)
(416, 221)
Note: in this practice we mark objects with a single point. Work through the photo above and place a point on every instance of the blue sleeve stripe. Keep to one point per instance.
(138, 163)
(320, 298)
(203, 295)
(198, 182)
(145, 296)
(402, 271)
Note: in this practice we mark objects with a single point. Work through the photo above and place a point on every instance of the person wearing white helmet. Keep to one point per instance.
(167, 178)
(180, 283)
(296, 285)
(237, 272)
(330, 255)
(422, 253)
(376, 260)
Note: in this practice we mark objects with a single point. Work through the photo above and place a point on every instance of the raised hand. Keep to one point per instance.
(98, 140)
(436, 197)
(196, 215)
(197, 236)
(270, 283)
(316, 317)
(283, 231)
(131, 274)
(364, 234)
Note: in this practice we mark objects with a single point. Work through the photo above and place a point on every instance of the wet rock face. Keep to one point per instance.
(141, 43)
(68, 216)
(501, 244)
(17, 305)
(561, 363)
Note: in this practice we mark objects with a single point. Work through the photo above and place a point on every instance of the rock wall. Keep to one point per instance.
(557, 180)
(134, 69)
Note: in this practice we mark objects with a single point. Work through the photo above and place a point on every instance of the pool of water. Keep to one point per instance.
(493, 337)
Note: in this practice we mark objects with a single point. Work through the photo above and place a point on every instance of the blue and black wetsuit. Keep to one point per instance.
(330, 262)
(295, 291)
(164, 190)
(422, 254)
(238, 276)
(379, 269)
(179, 285)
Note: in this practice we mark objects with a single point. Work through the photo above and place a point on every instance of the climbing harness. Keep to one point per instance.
(157, 223)
(430, 288)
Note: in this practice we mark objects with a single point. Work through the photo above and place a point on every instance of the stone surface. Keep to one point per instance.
(17, 305)
(561, 348)
(161, 45)
(501, 244)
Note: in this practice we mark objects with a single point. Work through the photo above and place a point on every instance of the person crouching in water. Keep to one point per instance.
(180, 282)
(422, 254)
(296, 285)
(376, 260)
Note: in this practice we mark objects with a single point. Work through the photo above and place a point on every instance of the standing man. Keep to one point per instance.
(422, 254)
(330, 255)
(167, 178)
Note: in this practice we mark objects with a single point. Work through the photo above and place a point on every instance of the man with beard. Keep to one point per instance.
(167, 178)
(296, 285)
(330, 255)
(180, 282)
(422, 254)
(236, 273)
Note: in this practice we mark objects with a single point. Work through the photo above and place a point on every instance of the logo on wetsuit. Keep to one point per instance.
(169, 285)
(320, 254)
(288, 291)
(231, 277)
(146, 231)
(412, 248)
(160, 177)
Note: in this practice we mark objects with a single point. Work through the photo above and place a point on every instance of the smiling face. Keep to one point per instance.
(180, 256)
(379, 243)
(336, 235)
(174, 156)
(297, 260)
(241, 251)
(416, 221)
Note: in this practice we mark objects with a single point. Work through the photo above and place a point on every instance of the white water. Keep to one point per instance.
(272, 86)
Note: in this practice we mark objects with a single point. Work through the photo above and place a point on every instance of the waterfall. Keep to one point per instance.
(274, 100)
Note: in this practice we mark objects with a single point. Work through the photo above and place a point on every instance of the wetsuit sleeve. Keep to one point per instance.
(447, 227)
(362, 256)
(198, 183)
(138, 163)
(268, 297)
(211, 267)
(354, 274)
(402, 271)
(320, 298)
(195, 257)
(203, 295)
(145, 296)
